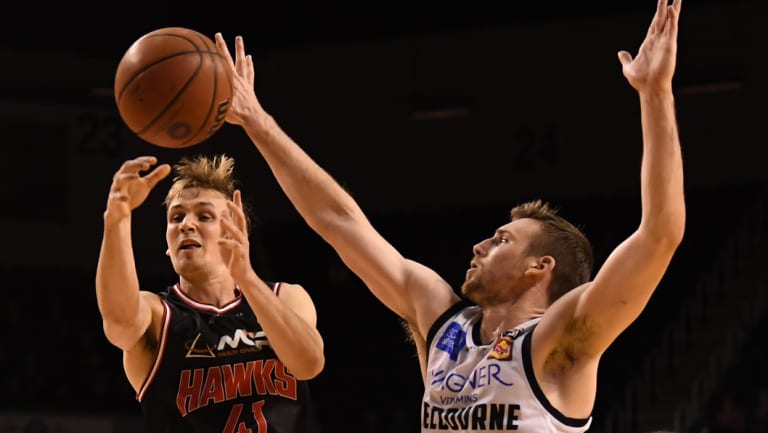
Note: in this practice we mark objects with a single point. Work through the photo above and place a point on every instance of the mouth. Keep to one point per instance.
(472, 268)
(188, 244)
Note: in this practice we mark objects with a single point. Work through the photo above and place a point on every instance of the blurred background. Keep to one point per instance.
(438, 120)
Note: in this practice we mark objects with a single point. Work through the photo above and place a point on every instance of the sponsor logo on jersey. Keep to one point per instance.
(241, 342)
(452, 340)
(481, 376)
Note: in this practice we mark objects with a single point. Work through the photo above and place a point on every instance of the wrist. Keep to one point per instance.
(112, 218)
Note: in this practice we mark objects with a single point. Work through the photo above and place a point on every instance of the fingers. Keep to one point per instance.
(233, 223)
(157, 175)
(237, 197)
(231, 235)
(249, 75)
(660, 19)
(221, 46)
(624, 57)
(236, 212)
(136, 165)
(240, 55)
(673, 15)
(677, 6)
(241, 64)
(130, 172)
(244, 62)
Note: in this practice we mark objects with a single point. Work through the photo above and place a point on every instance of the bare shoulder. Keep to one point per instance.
(293, 292)
(296, 297)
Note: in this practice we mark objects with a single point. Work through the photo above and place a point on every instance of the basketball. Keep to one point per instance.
(172, 87)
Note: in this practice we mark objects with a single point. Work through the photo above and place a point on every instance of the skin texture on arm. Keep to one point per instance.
(578, 328)
(125, 314)
(414, 292)
(288, 321)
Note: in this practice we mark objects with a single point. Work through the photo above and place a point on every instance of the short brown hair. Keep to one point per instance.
(563, 241)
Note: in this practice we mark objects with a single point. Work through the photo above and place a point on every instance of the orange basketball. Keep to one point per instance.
(172, 87)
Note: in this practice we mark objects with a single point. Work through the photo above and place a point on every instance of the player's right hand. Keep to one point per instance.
(129, 188)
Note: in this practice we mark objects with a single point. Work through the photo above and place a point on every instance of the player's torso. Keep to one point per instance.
(216, 372)
(472, 387)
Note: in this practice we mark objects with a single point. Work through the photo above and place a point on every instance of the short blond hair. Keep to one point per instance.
(214, 173)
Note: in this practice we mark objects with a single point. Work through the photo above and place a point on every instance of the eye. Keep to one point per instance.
(205, 217)
(498, 240)
(176, 218)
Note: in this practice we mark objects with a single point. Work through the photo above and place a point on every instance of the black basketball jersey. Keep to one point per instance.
(215, 372)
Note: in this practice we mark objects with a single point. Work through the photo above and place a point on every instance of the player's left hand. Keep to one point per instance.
(234, 244)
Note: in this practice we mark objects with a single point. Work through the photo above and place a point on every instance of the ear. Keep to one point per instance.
(541, 266)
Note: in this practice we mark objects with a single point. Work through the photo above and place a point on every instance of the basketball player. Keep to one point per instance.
(519, 349)
(220, 350)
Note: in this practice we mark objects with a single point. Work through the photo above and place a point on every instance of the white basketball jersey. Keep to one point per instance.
(472, 387)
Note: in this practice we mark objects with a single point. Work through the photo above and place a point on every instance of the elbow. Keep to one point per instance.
(311, 367)
(674, 230)
(667, 234)
(676, 235)
(121, 336)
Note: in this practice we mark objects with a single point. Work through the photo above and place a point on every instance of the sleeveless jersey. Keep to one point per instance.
(473, 387)
(215, 372)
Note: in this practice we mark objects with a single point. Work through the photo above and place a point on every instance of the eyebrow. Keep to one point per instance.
(506, 233)
(198, 204)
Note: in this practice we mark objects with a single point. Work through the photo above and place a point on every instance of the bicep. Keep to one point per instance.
(621, 290)
(126, 335)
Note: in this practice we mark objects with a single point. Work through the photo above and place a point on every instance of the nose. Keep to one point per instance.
(187, 225)
(479, 248)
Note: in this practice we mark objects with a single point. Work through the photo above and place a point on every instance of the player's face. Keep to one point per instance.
(194, 228)
(497, 271)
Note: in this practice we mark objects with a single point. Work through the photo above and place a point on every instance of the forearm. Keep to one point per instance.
(662, 188)
(296, 342)
(117, 285)
(314, 193)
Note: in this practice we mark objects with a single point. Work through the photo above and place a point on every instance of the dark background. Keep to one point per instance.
(438, 119)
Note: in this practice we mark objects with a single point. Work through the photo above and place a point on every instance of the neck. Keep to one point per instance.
(214, 291)
(506, 316)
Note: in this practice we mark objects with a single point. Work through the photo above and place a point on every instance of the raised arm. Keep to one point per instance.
(597, 313)
(412, 291)
(287, 318)
(126, 313)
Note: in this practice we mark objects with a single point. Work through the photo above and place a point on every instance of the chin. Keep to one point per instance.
(466, 290)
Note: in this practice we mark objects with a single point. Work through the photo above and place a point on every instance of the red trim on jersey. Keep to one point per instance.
(208, 307)
(160, 351)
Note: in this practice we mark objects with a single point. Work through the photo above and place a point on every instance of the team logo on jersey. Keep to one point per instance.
(452, 340)
(243, 341)
(502, 348)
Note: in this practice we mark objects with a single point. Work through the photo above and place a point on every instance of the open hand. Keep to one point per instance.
(234, 244)
(653, 67)
(129, 189)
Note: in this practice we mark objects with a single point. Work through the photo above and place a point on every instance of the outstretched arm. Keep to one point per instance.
(599, 312)
(412, 291)
(125, 313)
